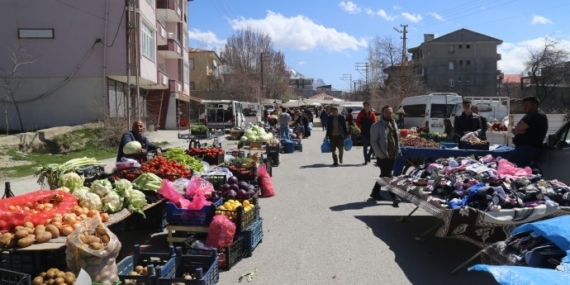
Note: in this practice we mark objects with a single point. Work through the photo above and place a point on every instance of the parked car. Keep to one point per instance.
(355, 110)
(554, 160)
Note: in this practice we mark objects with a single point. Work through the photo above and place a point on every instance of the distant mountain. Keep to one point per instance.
(294, 73)
(318, 83)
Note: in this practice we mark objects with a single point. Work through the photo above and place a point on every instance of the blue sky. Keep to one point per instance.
(325, 39)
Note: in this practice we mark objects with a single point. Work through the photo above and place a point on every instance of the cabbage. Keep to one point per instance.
(72, 180)
(248, 133)
(253, 138)
(243, 139)
(136, 201)
(64, 189)
(101, 187)
(122, 186)
(112, 202)
(91, 201)
(79, 193)
(132, 147)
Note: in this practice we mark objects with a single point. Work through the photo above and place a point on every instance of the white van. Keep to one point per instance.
(432, 108)
(223, 114)
(355, 110)
(492, 108)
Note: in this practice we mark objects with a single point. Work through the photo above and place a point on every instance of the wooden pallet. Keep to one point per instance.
(171, 239)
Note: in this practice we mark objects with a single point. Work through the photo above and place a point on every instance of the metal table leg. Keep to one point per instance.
(404, 219)
(421, 238)
(466, 261)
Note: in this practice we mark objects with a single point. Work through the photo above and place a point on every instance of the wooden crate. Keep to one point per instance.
(171, 239)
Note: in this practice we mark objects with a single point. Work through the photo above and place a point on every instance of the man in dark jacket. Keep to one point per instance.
(529, 133)
(467, 122)
(365, 119)
(336, 132)
(136, 135)
(324, 118)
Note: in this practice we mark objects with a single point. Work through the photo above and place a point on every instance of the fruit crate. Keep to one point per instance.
(249, 173)
(216, 180)
(217, 160)
(203, 217)
(203, 267)
(241, 218)
(159, 264)
(8, 277)
(228, 256)
(253, 236)
(33, 262)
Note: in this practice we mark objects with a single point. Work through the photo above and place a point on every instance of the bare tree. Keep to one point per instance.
(548, 68)
(391, 76)
(254, 69)
(18, 56)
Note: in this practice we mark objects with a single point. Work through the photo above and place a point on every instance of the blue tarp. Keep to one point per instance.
(557, 230)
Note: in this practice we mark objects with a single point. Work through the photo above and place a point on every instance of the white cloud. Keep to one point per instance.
(536, 19)
(349, 7)
(412, 18)
(302, 62)
(396, 7)
(437, 16)
(207, 39)
(299, 33)
(382, 14)
(513, 55)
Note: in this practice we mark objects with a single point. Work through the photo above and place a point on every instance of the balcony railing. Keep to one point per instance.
(170, 10)
(162, 78)
(161, 32)
(171, 50)
(175, 86)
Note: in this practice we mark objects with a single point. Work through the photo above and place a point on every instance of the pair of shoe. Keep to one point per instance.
(376, 197)
(341, 161)
(335, 164)
(365, 163)
(396, 202)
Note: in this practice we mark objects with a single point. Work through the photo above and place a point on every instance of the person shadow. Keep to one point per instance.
(316, 165)
(356, 205)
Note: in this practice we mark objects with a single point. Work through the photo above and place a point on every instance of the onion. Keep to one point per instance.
(105, 217)
(69, 218)
(66, 230)
(76, 225)
(92, 213)
(57, 224)
(12, 208)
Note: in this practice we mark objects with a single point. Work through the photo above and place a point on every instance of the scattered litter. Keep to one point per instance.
(249, 276)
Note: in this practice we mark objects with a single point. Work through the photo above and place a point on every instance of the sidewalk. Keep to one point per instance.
(23, 185)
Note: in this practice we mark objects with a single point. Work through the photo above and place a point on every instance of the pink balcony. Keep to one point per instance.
(161, 34)
(172, 49)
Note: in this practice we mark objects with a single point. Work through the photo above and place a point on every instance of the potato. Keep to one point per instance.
(21, 234)
(139, 269)
(29, 225)
(50, 274)
(69, 280)
(92, 239)
(100, 231)
(43, 237)
(30, 230)
(105, 239)
(95, 246)
(39, 229)
(66, 230)
(132, 273)
(27, 241)
(5, 239)
(59, 280)
(59, 273)
(38, 281)
(53, 230)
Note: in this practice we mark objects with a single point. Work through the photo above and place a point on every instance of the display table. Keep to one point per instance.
(415, 156)
(466, 223)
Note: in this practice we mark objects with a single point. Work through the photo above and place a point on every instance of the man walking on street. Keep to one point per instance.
(364, 121)
(384, 141)
(284, 119)
(336, 132)
(324, 118)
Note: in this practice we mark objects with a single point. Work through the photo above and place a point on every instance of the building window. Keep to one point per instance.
(451, 48)
(467, 79)
(192, 86)
(117, 101)
(191, 63)
(35, 34)
(468, 62)
(451, 65)
(451, 82)
(459, 79)
(467, 46)
(460, 46)
(186, 73)
(148, 44)
(461, 62)
(151, 3)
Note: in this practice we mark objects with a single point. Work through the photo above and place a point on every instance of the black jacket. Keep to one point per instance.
(341, 123)
(464, 124)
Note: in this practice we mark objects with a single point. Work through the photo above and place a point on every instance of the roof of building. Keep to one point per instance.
(512, 78)
(464, 35)
(322, 96)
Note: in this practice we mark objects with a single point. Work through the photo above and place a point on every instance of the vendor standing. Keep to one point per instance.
(529, 134)
(135, 134)
(467, 122)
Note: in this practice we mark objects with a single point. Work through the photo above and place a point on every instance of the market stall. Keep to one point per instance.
(199, 189)
(479, 201)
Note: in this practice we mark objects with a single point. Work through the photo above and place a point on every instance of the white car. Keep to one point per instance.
(355, 110)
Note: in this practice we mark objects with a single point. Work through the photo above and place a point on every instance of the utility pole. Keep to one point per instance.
(363, 66)
(261, 71)
(404, 63)
(347, 78)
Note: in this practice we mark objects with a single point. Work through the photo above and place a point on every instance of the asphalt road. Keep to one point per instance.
(321, 228)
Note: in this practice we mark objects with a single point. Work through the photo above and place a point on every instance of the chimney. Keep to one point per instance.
(428, 37)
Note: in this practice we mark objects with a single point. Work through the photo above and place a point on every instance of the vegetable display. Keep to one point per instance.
(147, 181)
(178, 155)
(52, 173)
(499, 127)
(55, 276)
(208, 154)
(255, 134)
(200, 130)
(417, 142)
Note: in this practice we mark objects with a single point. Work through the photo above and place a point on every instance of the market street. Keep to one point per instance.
(320, 228)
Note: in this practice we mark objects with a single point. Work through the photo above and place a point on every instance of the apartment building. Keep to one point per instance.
(96, 58)
(462, 61)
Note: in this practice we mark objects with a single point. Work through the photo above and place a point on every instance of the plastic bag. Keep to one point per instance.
(222, 170)
(310, 127)
(180, 185)
(199, 185)
(265, 183)
(168, 191)
(326, 146)
(347, 144)
(99, 264)
(197, 203)
(470, 136)
(12, 213)
(506, 167)
(221, 232)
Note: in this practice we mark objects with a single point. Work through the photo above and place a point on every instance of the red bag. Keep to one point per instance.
(199, 185)
(265, 184)
(221, 232)
(18, 210)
